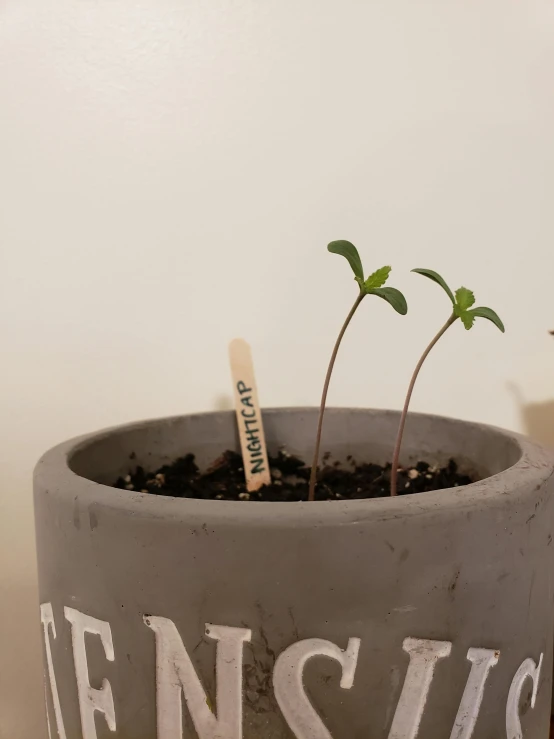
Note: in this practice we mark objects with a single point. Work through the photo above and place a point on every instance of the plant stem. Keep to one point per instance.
(313, 474)
(396, 454)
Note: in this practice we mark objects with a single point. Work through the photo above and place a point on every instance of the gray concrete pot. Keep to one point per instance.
(428, 615)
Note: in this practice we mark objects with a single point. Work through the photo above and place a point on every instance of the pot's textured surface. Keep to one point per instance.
(426, 615)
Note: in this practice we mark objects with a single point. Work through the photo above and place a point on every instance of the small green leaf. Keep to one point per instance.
(349, 251)
(464, 298)
(378, 278)
(393, 296)
(466, 317)
(438, 279)
(490, 315)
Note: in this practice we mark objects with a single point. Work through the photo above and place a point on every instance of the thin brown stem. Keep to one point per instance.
(396, 454)
(313, 474)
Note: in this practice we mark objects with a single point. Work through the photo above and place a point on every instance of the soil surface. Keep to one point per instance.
(224, 480)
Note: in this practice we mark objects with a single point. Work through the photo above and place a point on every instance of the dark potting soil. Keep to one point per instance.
(224, 480)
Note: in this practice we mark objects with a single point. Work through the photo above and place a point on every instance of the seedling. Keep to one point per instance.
(373, 285)
(462, 301)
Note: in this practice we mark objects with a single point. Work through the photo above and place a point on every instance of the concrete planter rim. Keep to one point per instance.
(54, 474)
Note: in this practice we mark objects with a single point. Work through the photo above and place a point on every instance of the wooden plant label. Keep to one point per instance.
(249, 416)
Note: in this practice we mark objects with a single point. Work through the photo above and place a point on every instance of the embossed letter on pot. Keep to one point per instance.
(174, 604)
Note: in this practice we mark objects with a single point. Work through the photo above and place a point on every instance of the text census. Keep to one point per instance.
(176, 677)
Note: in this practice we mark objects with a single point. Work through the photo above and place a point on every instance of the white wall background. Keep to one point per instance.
(170, 174)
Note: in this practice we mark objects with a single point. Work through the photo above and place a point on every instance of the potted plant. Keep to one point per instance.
(221, 617)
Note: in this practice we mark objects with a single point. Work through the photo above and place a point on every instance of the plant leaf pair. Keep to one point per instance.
(462, 301)
(373, 285)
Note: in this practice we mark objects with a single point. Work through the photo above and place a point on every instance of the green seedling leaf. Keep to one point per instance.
(349, 251)
(464, 298)
(377, 279)
(466, 317)
(393, 296)
(490, 315)
(432, 275)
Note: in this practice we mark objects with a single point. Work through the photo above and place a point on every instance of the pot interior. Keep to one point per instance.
(366, 435)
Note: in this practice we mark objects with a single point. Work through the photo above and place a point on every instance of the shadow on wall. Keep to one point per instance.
(537, 418)
(223, 402)
(539, 421)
